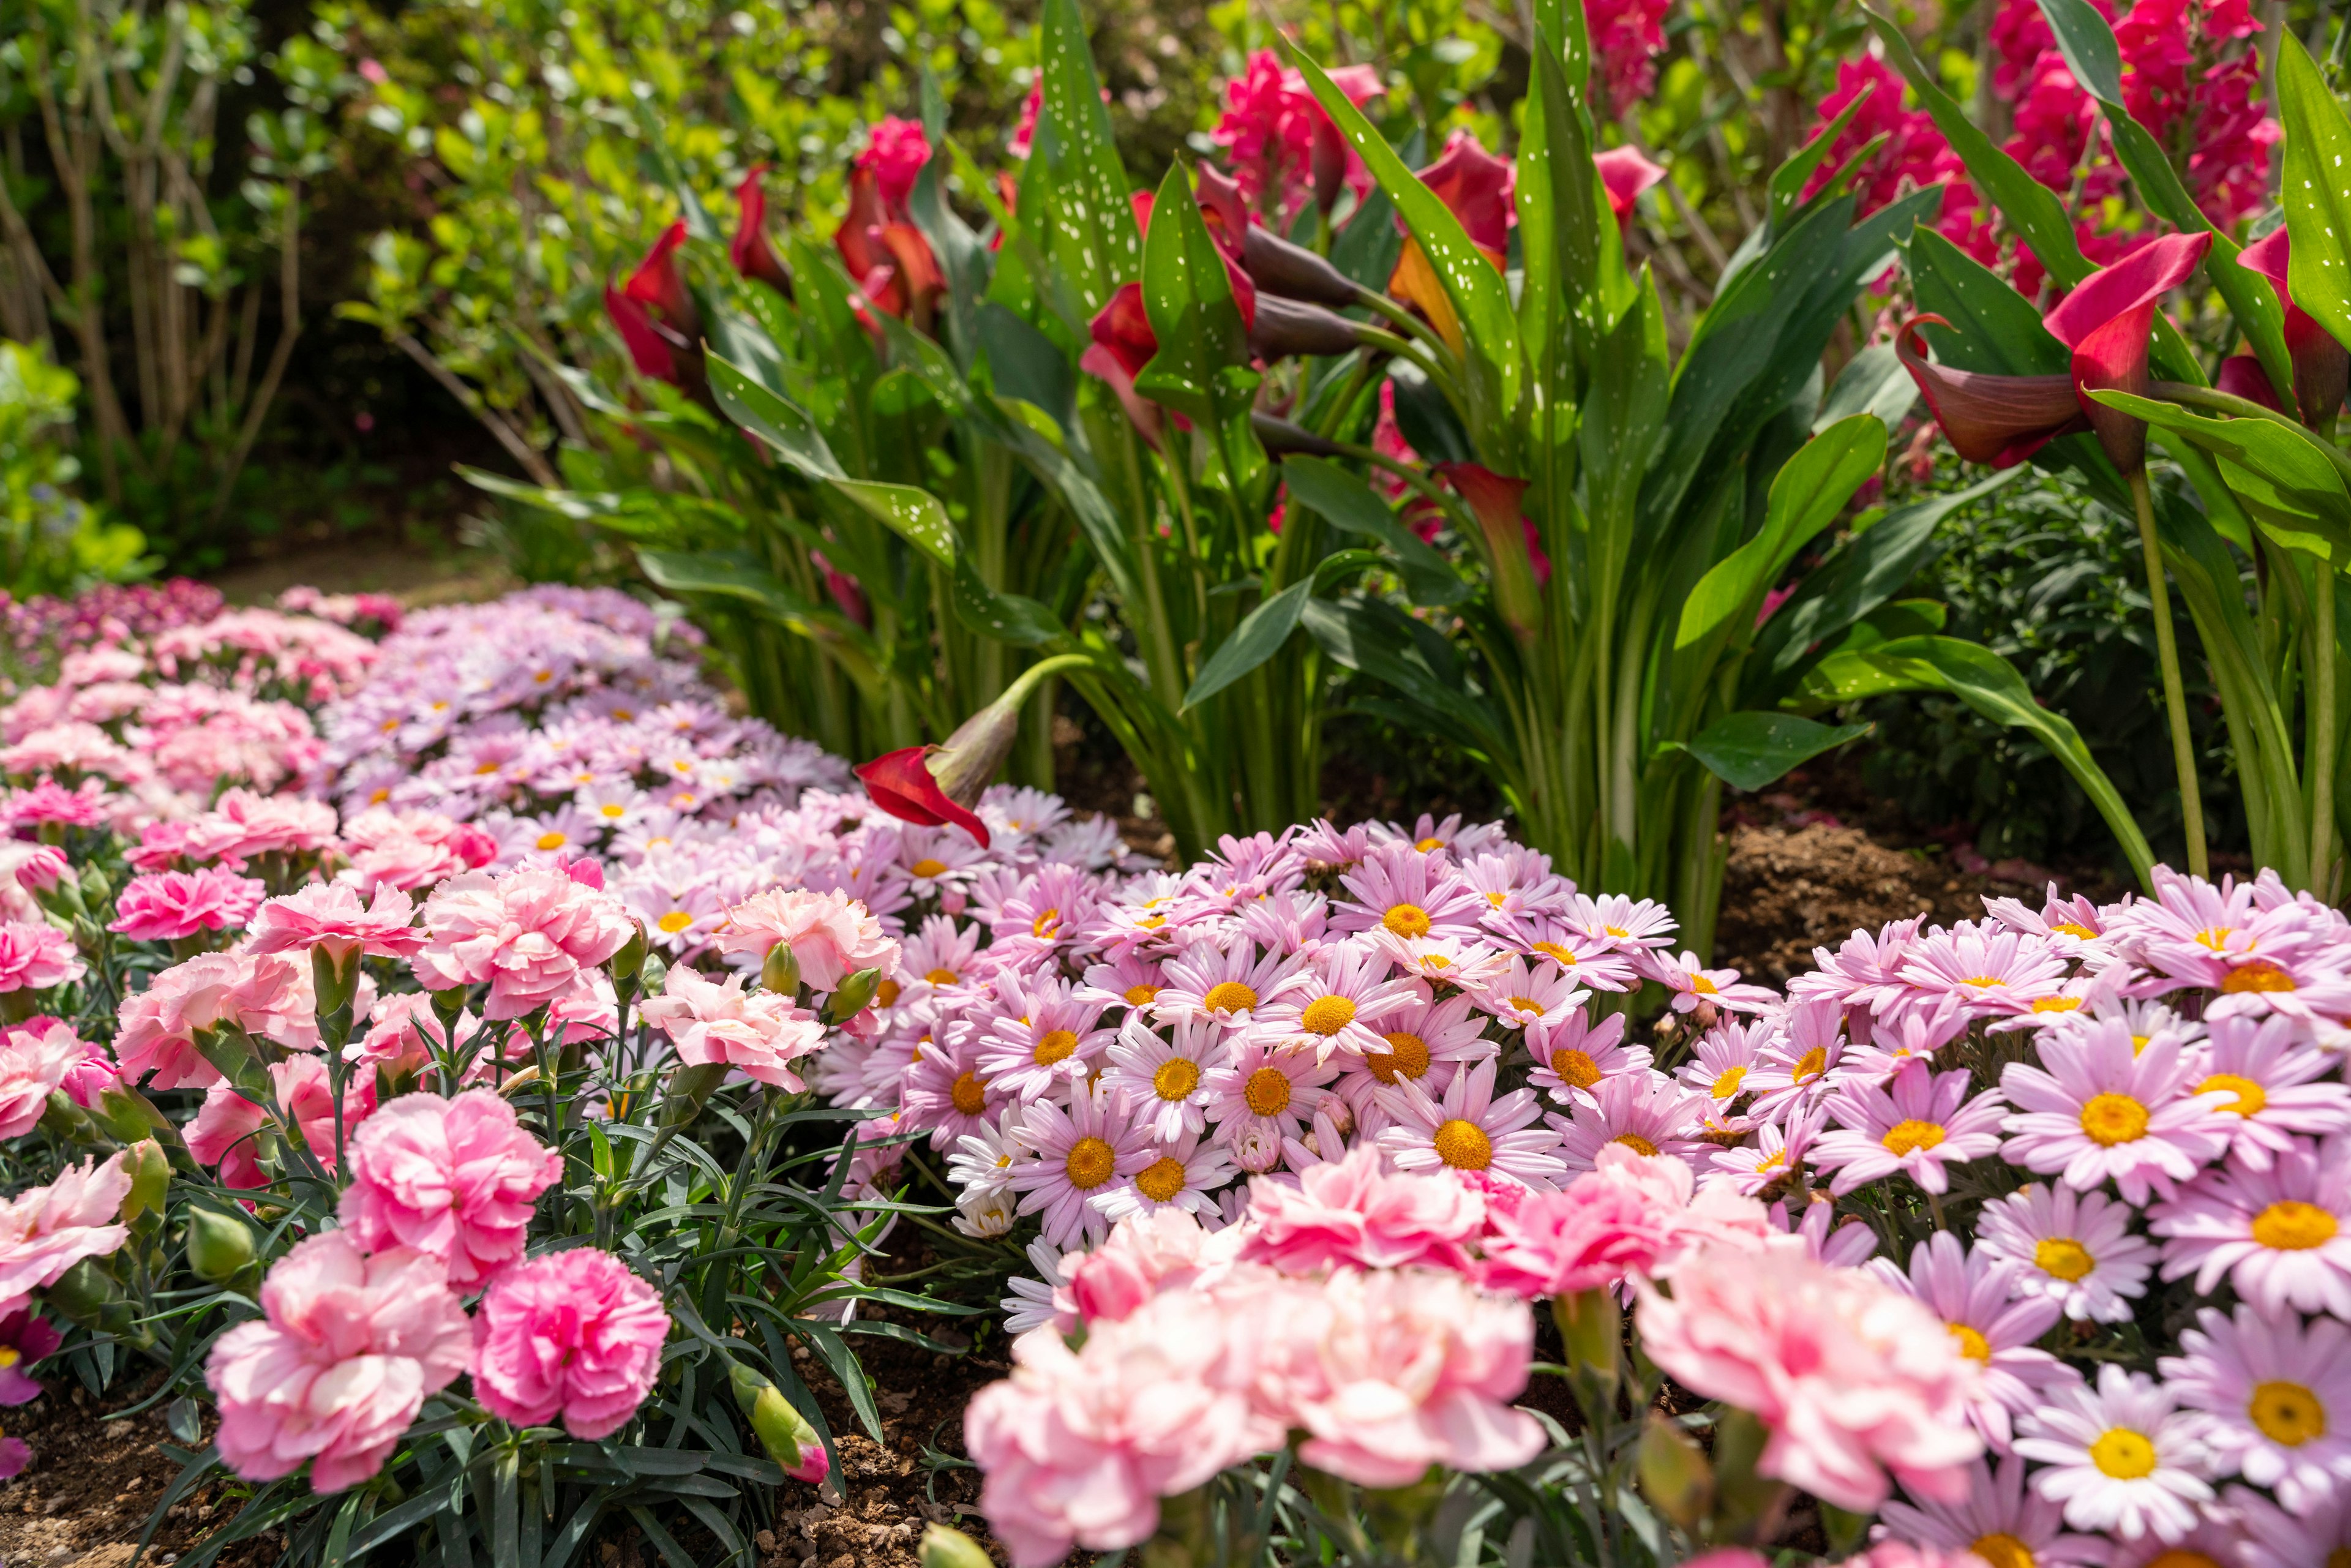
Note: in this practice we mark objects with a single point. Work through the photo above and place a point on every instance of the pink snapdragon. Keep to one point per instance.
(1854, 1380)
(831, 934)
(48, 1230)
(347, 1350)
(333, 916)
(756, 1033)
(531, 936)
(574, 1333)
(1630, 1216)
(169, 906)
(456, 1178)
(33, 1062)
(1353, 1213)
(35, 956)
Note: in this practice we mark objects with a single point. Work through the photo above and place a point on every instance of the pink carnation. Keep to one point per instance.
(50, 801)
(244, 823)
(573, 1332)
(269, 996)
(32, 1063)
(412, 850)
(1157, 1250)
(330, 914)
(48, 1230)
(453, 1177)
(1355, 1214)
(223, 1132)
(169, 906)
(530, 934)
(1630, 1217)
(349, 1350)
(713, 1022)
(831, 934)
(41, 867)
(35, 956)
(1852, 1378)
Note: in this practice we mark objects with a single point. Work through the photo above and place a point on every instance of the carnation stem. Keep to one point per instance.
(2175, 695)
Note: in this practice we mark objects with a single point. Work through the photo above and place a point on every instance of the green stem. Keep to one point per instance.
(2322, 735)
(2175, 695)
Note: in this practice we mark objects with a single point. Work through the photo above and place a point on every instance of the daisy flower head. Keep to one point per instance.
(1694, 985)
(1920, 1123)
(1912, 1032)
(1031, 1305)
(942, 953)
(1127, 981)
(1448, 960)
(1632, 924)
(2277, 1086)
(1406, 894)
(2276, 1538)
(1969, 1292)
(1725, 1055)
(1599, 962)
(2121, 1456)
(2075, 1249)
(1141, 916)
(1472, 1129)
(2282, 1236)
(1999, 1520)
(1264, 1088)
(1425, 1044)
(1779, 1151)
(1224, 985)
(1041, 1037)
(1865, 971)
(1184, 1174)
(944, 1092)
(1338, 1003)
(1072, 1156)
(1164, 1080)
(1512, 884)
(983, 1158)
(2101, 1111)
(2279, 1394)
(1573, 1056)
(1645, 1110)
(678, 918)
(1290, 923)
(1532, 995)
(2220, 938)
(2073, 926)
(1986, 971)
(1798, 1062)
(936, 860)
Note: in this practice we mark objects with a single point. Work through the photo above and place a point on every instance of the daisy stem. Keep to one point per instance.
(1934, 1208)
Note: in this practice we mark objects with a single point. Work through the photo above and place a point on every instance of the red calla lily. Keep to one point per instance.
(1123, 343)
(1476, 185)
(753, 257)
(2241, 375)
(1521, 566)
(656, 283)
(900, 783)
(1989, 418)
(656, 316)
(2105, 322)
(1624, 173)
(650, 346)
(2322, 367)
(894, 264)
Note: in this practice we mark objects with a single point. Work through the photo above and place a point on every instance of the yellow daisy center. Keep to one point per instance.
(2063, 1257)
(886, 994)
(943, 976)
(2053, 1005)
(1089, 1164)
(1405, 1057)
(2287, 1413)
(1983, 981)
(612, 811)
(2073, 928)
(1464, 1145)
(1141, 996)
(552, 840)
(1407, 920)
(1045, 925)
(2183, 1557)
(969, 1094)
(1810, 1065)
(927, 868)
(1161, 1179)
(675, 921)
(1231, 996)
(1635, 1142)
(2249, 1096)
(2000, 1549)
(1726, 1082)
(2214, 937)
(2293, 1225)
(1176, 1079)
(1973, 1343)
(1906, 1136)
(2258, 976)
(483, 770)
(1425, 845)
(1575, 1067)
(1267, 1092)
(2123, 1454)
(2111, 1119)
(1702, 986)
(1327, 1016)
(1557, 954)
(1055, 1045)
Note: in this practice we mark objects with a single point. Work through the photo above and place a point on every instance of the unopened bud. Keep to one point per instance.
(852, 998)
(1675, 1475)
(219, 1244)
(150, 1178)
(1283, 269)
(780, 974)
(630, 961)
(334, 975)
(1591, 1327)
(783, 1431)
(125, 1112)
(81, 1293)
(945, 1548)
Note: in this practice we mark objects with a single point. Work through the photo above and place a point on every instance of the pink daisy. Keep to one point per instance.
(2120, 1457)
(1987, 972)
(1165, 1080)
(1920, 1123)
(1630, 923)
(1042, 1037)
(1647, 1112)
(1425, 1044)
(1969, 1292)
(1725, 1055)
(1226, 984)
(2277, 1086)
(1337, 1003)
(1573, 1057)
(1265, 1088)
(2102, 1112)
(1184, 1174)
(1798, 1064)
(2279, 1393)
(1693, 984)
(1525, 996)
(1407, 894)
(1998, 1520)
(2277, 1539)
(1780, 1150)
(2283, 1236)
(1073, 1155)
(2074, 1249)
(1601, 962)
(1914, 1033)
(1472, 1129)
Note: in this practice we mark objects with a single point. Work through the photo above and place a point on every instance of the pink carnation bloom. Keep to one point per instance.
(1155, 1250)
(35, 956)
(1631, 1215)
(331, 915)
(334, 1373)
(528, 935)
(243, 824)
(32, 1063)
(758, 1032)
(831, 934)
(453, 1177)
(2105, 1109)
(1853, 1379)
(1355, 1214)
(48, 1230)
(574, 1332)
(169, 906)
(41, 867)
(1918, 1123)
(269, 997)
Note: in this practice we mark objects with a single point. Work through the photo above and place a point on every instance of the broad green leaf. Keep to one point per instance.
(2315, 190)
(1189, 298)
(789, 433)
(1789, 178)
(1994, 327)
(2281, 473)
(1092, 232)
(1560, 210)
(1748, 750)
(1562, 25)
(1873, 381)
(914, 515)
(1807, 496)
(2035, 210)
(1472, 284)
(1348, 503)
(1258, 637)
(1024, 363)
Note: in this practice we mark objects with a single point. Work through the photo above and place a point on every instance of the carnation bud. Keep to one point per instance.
(780, 973)
(81, 1293)
(43, 869)
(150, 1178)
(655, 972)
(1675, 1475)
(125, 1112)
(689, 1086)
(334, 976)
(219, 1244)
(68, 1120)
(783, 1431)
(630, 961)
(446, 1006)
(852, 999)
(1591, 1327)
(945, 1548)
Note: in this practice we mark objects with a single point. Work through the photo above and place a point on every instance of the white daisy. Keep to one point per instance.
(2076, 1247)
(2121, 1456)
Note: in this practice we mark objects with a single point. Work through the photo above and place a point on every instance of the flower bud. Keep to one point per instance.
(780, 974)
(1283, 328)
(335, 975)
(81, 1293)
(1289, 271)
(1279, 437)
(783, 1431)
(1591, 1328)
(150, 1178)
(68, 1120)
(630, 961)
(125, 1112)
(219, 1244)
(945, 1548)
(852, 999)
(933, 785)
(1675, 1475)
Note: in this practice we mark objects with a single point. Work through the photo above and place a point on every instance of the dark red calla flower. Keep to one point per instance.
(1476, 185)
(2322, 367)
(753, 257)
(2105, 322)
(2241, 375)
(1222, 208)
(1625, 175)
(1989, 418)
(1123, 343)
(656, 283)
(858, 241)
(1332, 159)
(1521, 566)
(649, 349)
(901, 784)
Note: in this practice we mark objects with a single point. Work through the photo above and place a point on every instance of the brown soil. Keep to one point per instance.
(86, 1493)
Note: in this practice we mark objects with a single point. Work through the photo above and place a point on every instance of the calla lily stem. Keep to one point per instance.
(2175, 695)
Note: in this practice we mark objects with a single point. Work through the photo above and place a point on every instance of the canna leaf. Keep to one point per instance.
(1807, 496)
(1748, 750)
(2281, 473)
(2316, 191)
(1090, 234)
(1258, 637)
(1346, 502)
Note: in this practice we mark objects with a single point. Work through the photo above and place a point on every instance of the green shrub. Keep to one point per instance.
(51, 541)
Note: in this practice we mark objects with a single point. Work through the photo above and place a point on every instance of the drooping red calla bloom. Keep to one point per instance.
(1123, 343)
(656, 283)
(2322, 367)
(753, 257)
(895, 152)
(1989, 418)
(1624, 173)
(900, 783)
(649, 347)
(892, 262)
(1521, 566)
(2105, 322)
(2241, 375)
(656, 315)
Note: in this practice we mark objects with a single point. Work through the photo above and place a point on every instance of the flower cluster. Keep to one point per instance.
(107, 613)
